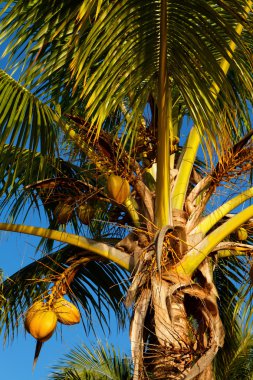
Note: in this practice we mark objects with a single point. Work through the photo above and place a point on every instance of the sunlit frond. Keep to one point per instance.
(108, 54)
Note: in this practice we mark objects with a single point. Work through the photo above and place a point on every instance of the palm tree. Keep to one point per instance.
(104, 88)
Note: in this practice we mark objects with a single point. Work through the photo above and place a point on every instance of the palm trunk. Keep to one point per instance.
(207, 374)
(176, 329)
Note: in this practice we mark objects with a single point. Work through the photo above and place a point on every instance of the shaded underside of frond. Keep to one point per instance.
(19, 168)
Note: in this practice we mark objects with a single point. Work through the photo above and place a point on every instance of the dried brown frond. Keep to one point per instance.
(234, 164)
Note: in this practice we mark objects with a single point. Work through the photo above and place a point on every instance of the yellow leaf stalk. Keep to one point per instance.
(124, 260)
(197, 254)
(209, 221)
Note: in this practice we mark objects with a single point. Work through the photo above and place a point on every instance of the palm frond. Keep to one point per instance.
(241, 365)
(107, 54)
(234, 361)
(46, 36)
(98, 362)
(26, 124)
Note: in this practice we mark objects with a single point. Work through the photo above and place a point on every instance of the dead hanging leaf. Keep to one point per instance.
(138, 281)
(210, 320)
(37, 353)
(215, 341)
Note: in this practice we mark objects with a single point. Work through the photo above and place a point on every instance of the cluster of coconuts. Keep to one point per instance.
(64, 211)
(41, 318)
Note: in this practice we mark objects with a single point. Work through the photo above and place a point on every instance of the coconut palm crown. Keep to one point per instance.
(105, 88)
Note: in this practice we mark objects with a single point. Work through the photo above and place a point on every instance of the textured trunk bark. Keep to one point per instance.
(207, 374)
(176, 330)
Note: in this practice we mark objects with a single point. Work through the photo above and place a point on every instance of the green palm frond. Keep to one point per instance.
(237, 361)
(241, 365)
(234, 361)
(108, 54)
(228, 278)
(98, 362)
(25, 120)
(26, 124)
(98, 288)
(48, 36)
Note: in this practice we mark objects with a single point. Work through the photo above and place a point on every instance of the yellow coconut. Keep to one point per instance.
(118, 188)
(37, 306)
(66, 312)
(242, 234)
(41, 324)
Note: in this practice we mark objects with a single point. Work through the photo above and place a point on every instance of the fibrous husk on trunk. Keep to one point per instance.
(175, 332)
(136, 332)
(176, 329)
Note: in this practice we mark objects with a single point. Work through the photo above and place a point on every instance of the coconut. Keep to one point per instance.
(63, 212)
(86, 212)
(242, 234)
(118, 188)
(66, 312)
(40, 321)
(37, 306)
